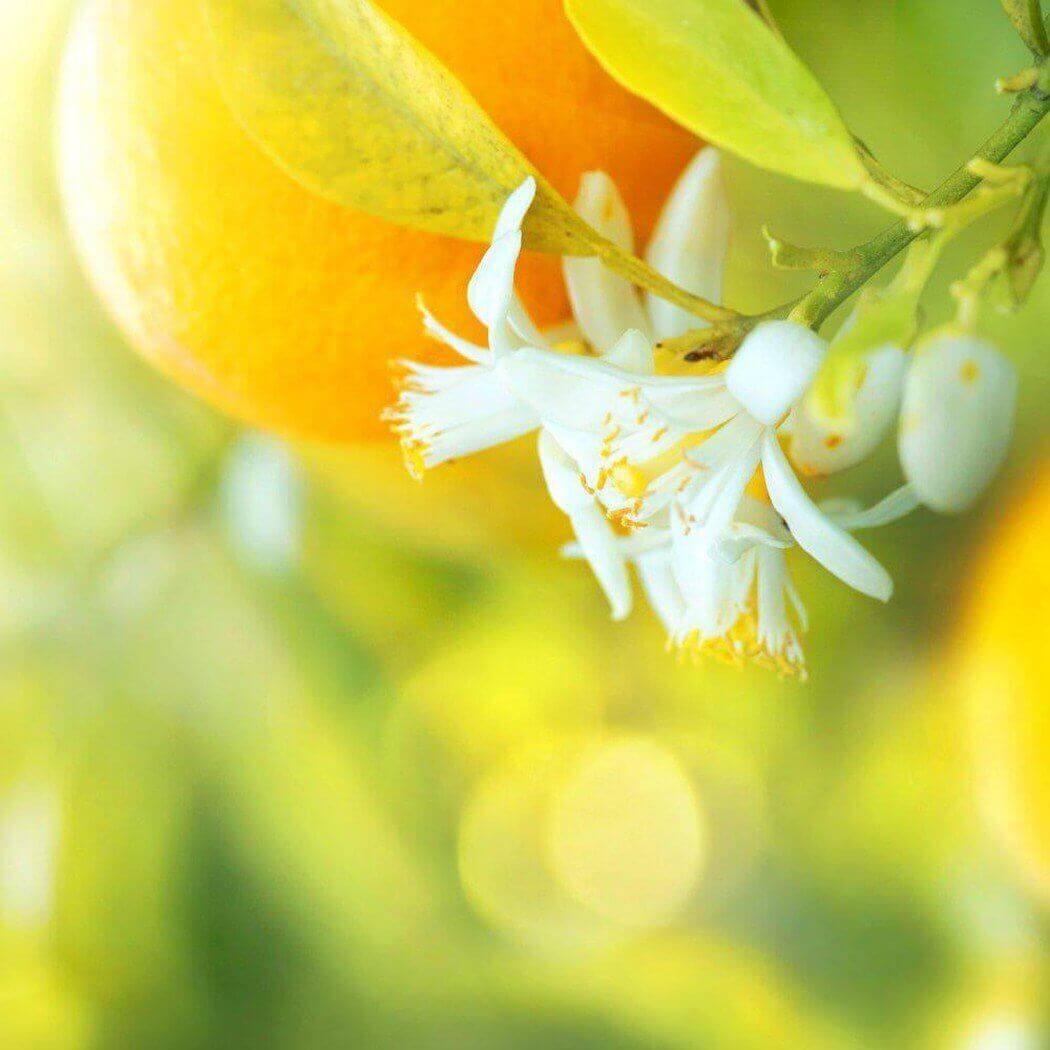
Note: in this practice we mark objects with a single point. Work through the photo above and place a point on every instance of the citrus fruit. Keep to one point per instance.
(276, 305)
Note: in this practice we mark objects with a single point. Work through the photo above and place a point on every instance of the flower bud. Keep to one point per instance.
(818, 448)
(956, 420)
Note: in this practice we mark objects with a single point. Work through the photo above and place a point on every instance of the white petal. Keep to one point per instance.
(517, 207)
(570, 391)
(562, 476)
(599, 545)
(604, 304)
(821, 538)
(775, 631)
(661, 589)
(706, 585)
(481, 433)
(634, 547)
(956, 420)
(701, 404)
(756, 524)
(436, 330)
(491, 289)
(523, 325)
(851, 517)
(774, 368)
(690, 242)
(583, 447)
(452, 412)
(597, 540)
(725, 444)
(633, 352)
(818, 449)
(731, 483)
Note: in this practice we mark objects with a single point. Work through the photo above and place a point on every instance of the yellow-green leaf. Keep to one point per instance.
(352, 106)
(718, 68)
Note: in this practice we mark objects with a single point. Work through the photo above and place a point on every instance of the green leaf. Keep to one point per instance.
(1027, 17)
(353, 107)
(718, 68)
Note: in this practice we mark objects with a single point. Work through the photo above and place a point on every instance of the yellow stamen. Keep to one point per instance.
(413, 452)
(633, 479)
(739, 647)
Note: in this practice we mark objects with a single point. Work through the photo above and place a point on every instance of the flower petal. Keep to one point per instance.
(700, 404)
(633, 353)
(604, 304)
(562, 476)
(776, 634)
(690, 243)
(956, 420)
(436, 330)
(516, 208)
(598, 542)
(570, 391)
(895, 506)
(774, 368)
(821, 538)
(661, 589)
(491, 289)
(595, 535)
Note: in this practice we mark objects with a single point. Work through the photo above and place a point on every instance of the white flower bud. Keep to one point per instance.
(956, 420)
(819, 449)
(690, 242)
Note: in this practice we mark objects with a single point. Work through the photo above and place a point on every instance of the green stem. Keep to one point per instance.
(838, 285)
(637, 272)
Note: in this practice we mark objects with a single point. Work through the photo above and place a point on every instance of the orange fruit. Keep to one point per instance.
(1006, 678)
(278, 306)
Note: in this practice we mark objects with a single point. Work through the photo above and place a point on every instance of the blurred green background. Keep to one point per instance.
(284, 764)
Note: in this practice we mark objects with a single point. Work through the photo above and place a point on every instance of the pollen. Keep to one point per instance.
(414, 454)
(833, 441)
(970, 372)
(629, 480)
(633, 479)
(740, 647)
(624, 521)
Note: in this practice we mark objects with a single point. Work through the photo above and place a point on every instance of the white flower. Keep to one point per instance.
(956, 419)
(445, 413)
(683, 477)
(739, 603)
(688, 247)
(742, 608)
(658, 451)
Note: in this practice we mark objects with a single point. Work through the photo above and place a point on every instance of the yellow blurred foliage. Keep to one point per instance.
(1004, 673)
